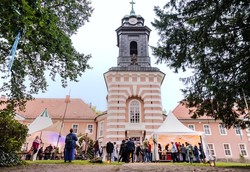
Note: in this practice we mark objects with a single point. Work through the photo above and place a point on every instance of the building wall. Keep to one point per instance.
(218, 140)
(115, 123)
(124, 87)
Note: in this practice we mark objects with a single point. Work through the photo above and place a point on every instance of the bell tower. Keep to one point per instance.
(132, 40)
(134, 86)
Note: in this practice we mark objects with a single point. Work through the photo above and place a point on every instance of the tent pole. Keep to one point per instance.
(67, 100)
(41, 135)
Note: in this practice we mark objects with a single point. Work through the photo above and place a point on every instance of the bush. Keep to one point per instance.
(90, 153)
(12, 137)
(242, 158)
(9, 159)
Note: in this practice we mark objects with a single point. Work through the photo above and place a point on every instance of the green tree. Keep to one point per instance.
(44, 46)
(98, 112)
(212, 39)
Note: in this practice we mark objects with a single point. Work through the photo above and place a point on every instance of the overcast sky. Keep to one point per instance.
(98, 38)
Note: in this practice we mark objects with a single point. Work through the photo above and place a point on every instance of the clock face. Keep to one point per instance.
(132, 20)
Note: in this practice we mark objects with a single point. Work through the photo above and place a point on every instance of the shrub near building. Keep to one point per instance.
(12, 137)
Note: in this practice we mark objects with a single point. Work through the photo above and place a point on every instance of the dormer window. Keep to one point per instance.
(133, 48)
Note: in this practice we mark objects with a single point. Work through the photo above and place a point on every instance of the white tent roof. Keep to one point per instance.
(41, 122)
(172, 126)
(55, 127)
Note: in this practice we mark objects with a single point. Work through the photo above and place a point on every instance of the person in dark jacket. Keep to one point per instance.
(138, 152)
(123, 152)
(202, 153)
(131, 149)
(40, 153)
(109, 149)
(96, 148)
(70, 144)
(196, 154)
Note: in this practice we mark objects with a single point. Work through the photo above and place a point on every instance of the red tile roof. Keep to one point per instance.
(182, 112)
(76, 109)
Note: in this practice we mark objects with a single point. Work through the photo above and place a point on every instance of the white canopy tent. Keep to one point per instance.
(48, 138)
(173, 130)
(41, 122)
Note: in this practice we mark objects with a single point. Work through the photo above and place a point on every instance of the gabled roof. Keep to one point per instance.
(172, 126)
(76, 109)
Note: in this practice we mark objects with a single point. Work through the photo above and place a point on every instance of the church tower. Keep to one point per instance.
(134, 86)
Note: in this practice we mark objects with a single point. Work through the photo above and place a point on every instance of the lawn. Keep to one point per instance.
(87, 162)
(78, 162)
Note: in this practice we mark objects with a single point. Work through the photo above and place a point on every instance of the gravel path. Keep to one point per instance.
(131, 167)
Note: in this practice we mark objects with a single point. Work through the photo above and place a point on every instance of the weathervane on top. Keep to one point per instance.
(132, 12)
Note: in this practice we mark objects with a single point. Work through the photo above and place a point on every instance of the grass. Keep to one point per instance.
(86, 162)
(218, 164)
(77, 162)
(233, 165)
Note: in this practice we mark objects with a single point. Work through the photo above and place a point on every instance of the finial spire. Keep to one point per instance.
(132, 12)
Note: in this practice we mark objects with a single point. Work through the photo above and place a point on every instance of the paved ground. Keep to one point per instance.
(131, 167)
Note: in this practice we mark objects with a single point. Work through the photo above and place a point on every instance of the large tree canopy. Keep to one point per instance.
(44, 45)
(212, 39)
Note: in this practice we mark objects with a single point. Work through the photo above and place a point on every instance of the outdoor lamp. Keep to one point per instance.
(212, 162)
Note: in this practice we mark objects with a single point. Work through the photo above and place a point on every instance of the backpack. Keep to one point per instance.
(69, 141)
(190, 149)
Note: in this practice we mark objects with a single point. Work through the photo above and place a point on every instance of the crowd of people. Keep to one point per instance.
(128, 151)
(181, 152)
(36, 153)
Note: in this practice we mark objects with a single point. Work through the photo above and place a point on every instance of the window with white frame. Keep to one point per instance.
(243, 150)
(207, 129)
(75, 128)
(227, 149)
(101, 129)
(238, 131)
(191, 126)
(211, 149)
(90, 128)
(134, 111)
(222, 129)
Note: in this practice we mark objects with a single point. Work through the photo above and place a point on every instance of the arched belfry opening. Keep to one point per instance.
(133, 48)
